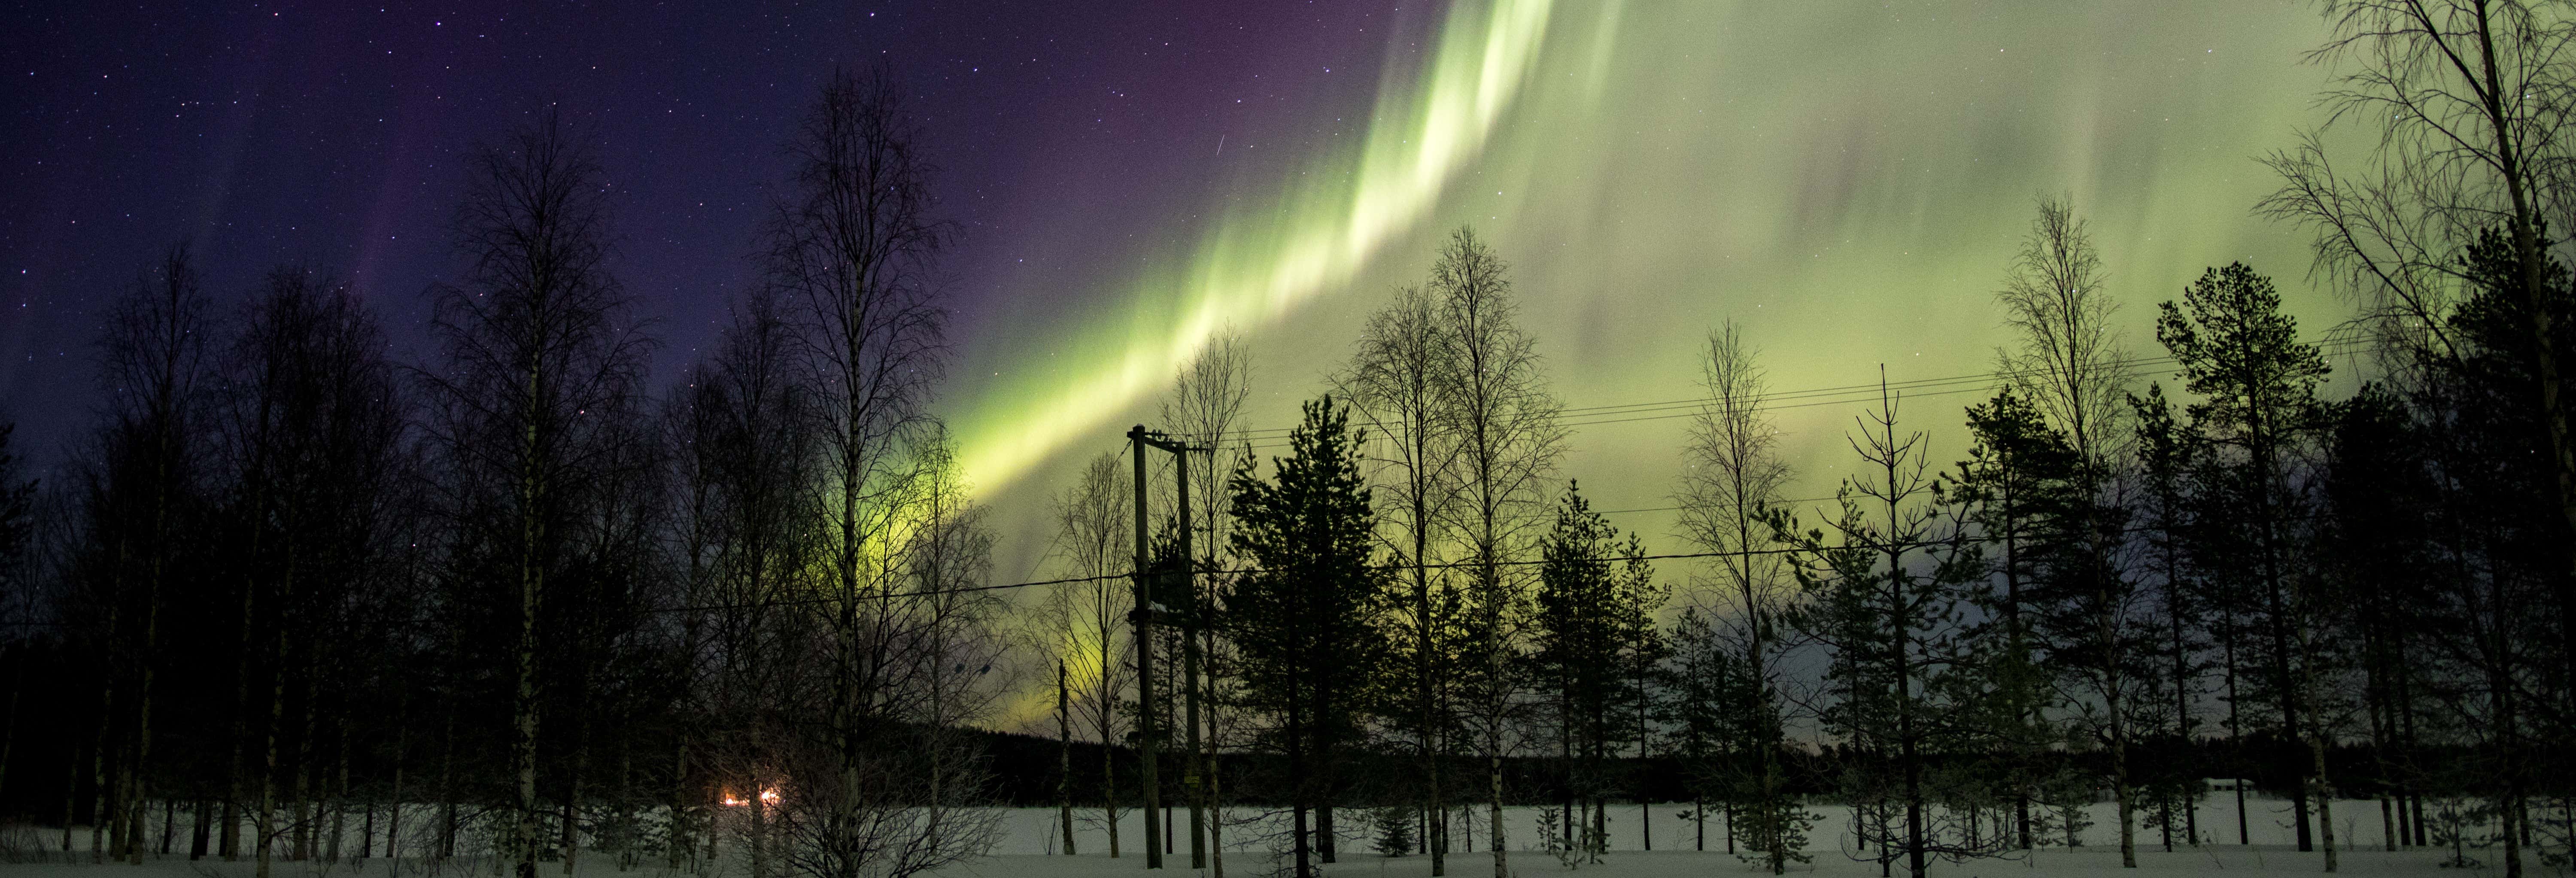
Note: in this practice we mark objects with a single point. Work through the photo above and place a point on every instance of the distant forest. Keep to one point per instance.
(293, 600)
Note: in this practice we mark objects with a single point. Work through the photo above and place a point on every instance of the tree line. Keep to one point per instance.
(2115, 593)
(2143, 572)
(513, 602)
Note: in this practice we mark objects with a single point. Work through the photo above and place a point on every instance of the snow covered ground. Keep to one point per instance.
(1031, 835)
(2357, 825)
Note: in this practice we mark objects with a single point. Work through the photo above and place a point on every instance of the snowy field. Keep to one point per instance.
(1031, 835)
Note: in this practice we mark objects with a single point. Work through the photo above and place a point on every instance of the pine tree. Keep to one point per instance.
(1698, 703)
(1884, 597)
(1306, 619)
(2375, 548)
(2016, 486)
(2490, 633)
(2164, 461)
(1592, 635)
(1725, 751)
(2257, 386)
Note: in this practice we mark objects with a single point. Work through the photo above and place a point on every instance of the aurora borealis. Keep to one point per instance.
(697, 436)
(1846, 180)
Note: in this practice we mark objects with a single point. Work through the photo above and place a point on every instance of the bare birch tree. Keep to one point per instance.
(2069, 362)
(746, 455)
(539, 354)
(2469, 105)
(154, 360)
(1503, 417)
(1205, 405)
(2070, 367)
(1731, 485)
(315, 426)
(853, 245)
(1094, 543)
(931, 646)
(1396, 383)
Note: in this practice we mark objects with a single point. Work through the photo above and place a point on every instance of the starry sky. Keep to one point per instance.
(1846, 180)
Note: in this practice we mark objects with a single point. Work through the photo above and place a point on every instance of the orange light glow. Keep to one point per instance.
(767, 797)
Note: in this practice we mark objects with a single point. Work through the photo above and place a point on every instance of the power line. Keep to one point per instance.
(1808, 393)
(1981, 382)
(1445, 565)
(1267, 438)
(1986, 381)
(1977, 382)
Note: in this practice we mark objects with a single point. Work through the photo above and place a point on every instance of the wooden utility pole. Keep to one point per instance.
(1064, 754)
(1143, 616)
(1192, 771)
(1185, 582)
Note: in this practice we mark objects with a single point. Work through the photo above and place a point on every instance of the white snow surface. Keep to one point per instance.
(1029, 838)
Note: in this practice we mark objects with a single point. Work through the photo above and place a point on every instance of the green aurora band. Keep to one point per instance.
(1847, 181)
(1252, 272)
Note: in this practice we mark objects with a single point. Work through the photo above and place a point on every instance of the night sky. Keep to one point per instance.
(1847, 180)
